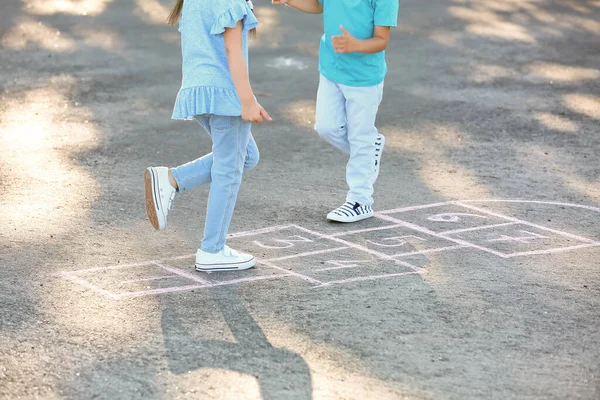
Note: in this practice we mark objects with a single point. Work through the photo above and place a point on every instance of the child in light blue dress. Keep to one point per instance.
(216, 92)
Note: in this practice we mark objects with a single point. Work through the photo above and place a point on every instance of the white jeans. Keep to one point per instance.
(346, 119)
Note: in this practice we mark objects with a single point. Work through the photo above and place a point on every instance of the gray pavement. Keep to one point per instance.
(467, 297)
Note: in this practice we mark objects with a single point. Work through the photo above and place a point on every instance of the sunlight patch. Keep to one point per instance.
(74, 7)
(31, 33)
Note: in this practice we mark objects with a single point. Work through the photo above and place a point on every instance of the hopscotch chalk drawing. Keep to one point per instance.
(367, 254)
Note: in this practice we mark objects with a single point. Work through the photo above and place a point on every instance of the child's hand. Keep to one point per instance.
(279, 2)
(254, 112)
(345, 43)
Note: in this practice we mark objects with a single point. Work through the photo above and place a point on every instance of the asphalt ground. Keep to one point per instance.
(452, 292)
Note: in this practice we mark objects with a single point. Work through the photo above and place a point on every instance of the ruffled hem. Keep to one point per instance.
(201, 100)
(229, 19)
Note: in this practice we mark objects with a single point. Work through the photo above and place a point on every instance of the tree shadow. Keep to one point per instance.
(523, 101)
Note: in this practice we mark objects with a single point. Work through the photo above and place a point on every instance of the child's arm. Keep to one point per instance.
(385, 17)
(307, 6)
(251, 110)
(347, 43)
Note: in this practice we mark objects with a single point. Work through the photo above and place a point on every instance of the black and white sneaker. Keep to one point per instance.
(379, 145)
(350, 212)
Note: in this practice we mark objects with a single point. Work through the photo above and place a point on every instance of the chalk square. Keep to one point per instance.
(519, 239)
(278, 242)
(345, 266)
(447, 218)
(338, 229)
(129, 280)
(398, 241)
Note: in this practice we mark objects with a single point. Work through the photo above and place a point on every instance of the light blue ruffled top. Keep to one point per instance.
(207, 87)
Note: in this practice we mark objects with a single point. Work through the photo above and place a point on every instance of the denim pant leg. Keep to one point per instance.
(362, 104)
(198, 172)
(230, 136)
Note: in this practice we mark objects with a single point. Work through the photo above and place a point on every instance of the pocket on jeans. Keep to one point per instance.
(221, 122)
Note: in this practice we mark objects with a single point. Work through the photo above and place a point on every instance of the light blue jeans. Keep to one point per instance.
(234, 151)
(346, 119)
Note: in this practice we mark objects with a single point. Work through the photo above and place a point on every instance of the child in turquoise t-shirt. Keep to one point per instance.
(352, 66)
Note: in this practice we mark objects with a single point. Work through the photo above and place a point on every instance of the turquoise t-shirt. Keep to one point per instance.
(359, 17)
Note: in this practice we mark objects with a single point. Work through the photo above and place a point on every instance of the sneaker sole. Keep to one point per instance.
(339, 218)
(150, 200)
(226, 267)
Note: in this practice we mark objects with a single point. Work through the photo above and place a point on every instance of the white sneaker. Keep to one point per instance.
(350, 212)
(379, 145)
(159, 195)
(225, 260)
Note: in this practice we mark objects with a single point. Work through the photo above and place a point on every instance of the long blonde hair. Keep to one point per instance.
(175, 14)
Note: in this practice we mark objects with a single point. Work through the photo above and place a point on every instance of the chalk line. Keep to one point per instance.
(543, 202)
(429, 251)
(88, 285)
(517, 220)
(290, 272)
(308, 253)
(367, 278)
(183, 274)
(129, 295)
(359, 247)
(553, 250)
(176, 289)
(379, 228)
(132, 265)
(476, 228)
(259, 231)
(413, 208)
(551, 203)
(432, 233)
(155, 278)
(343, 266)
